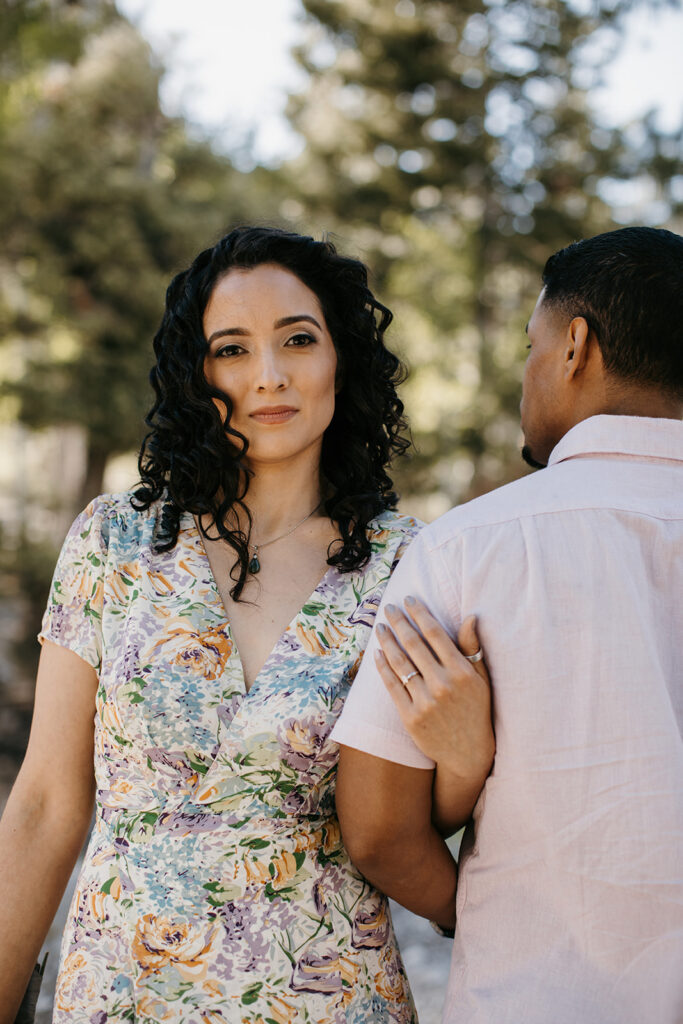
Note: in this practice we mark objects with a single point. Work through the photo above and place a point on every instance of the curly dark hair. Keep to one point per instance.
(194, 461)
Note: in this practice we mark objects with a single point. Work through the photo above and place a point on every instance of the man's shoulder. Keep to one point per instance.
(535, 494)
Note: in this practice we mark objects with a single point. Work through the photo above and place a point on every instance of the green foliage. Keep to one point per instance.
(106, 198)
(452, 145)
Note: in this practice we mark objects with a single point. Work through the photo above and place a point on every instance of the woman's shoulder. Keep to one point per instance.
(391, 533)
(114, 514)
(396, 524)
(117, 505)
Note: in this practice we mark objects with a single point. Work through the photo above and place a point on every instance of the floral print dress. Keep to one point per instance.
(215, 887)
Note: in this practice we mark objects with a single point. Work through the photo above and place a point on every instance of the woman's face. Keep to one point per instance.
(270, 351)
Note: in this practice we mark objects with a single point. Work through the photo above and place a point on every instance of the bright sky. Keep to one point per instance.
(230, 67)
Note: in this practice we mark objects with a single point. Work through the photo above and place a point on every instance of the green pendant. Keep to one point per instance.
(254, 564)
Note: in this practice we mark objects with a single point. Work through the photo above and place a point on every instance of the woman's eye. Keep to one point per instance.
(229, 350)
(300, 340)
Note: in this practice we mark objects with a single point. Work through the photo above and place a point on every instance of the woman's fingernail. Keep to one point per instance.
(382, 629)
(411, 600)
(392, 609)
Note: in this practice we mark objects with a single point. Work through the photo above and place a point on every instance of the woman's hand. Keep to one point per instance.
(444, 701)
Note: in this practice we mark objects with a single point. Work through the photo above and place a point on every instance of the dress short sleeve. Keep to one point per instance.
(73, 617)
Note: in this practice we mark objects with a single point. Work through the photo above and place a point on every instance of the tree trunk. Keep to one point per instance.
(95, 465)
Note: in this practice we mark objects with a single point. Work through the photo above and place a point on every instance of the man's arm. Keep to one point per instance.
(393, 816)
(387, 789)
(385, 815)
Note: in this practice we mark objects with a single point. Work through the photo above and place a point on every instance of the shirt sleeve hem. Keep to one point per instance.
(82, 653)
(372, 739)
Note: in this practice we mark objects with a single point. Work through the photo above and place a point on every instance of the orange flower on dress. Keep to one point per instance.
(309, 640)
(353, 671)
(301, 739)
(256, 872)
(390, 981)
(96, 905)
(305, 841)
(284, 869)
(110, 720)
(77, 981)
(349, 972)
(281, 1011)
(212, 988)
(160, 942)
(119, 583)
(206, 652)
(97, 596)
(332, 841)
(212, 1017)
(320, 641)
(119, 793)
(162, 586)
(153, 1006)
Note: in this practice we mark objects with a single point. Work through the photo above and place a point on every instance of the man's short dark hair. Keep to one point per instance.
(628, 284)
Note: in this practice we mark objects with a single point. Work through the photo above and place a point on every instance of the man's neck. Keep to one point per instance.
(627, 400)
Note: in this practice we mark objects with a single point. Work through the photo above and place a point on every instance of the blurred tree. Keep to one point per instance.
(105, 197)
(454, 146)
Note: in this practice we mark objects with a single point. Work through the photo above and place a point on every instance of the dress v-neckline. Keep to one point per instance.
(200, 548)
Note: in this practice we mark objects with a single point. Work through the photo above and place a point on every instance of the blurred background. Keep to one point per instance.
(451, 145)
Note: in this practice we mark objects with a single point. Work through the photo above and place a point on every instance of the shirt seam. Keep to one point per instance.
(504, 521)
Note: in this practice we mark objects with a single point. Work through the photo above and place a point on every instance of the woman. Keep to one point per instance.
(212, 621)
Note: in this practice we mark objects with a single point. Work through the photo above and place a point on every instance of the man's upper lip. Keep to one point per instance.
(272, 409)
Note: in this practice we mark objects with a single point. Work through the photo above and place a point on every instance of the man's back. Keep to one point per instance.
(570, 897)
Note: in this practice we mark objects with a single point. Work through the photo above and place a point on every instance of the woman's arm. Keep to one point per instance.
(445, 706)
(47, 816)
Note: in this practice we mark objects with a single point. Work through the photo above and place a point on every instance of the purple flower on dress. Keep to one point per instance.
(370, 928)
(128, 663)
(245, 942)
(174, 761)
(226, 712)
(302, 740)
(288, 643)
(317, 972)
(364, 614)
(186, 823)
(293, 803)
(99, 1018)
(319, 901)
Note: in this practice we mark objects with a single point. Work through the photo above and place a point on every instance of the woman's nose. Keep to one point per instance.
(270, 373)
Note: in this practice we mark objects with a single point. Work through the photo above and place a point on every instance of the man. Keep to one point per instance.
(570, 888)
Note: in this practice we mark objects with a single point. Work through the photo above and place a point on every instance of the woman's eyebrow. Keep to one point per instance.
(241, 332)
(285, 321)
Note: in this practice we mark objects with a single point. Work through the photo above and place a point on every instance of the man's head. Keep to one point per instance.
(606, 335)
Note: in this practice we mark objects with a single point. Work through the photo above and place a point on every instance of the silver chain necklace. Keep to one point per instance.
(254, 564)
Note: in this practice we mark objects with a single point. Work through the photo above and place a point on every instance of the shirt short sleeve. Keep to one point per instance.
(369, 720)
(73, 617)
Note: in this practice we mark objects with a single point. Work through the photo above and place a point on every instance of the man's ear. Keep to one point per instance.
(577, 347)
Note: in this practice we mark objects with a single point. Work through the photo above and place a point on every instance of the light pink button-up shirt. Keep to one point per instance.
(570, 895)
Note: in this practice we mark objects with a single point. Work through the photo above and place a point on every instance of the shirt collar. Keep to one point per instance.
(622, 435)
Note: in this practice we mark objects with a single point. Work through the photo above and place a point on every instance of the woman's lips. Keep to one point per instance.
(275, 414)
